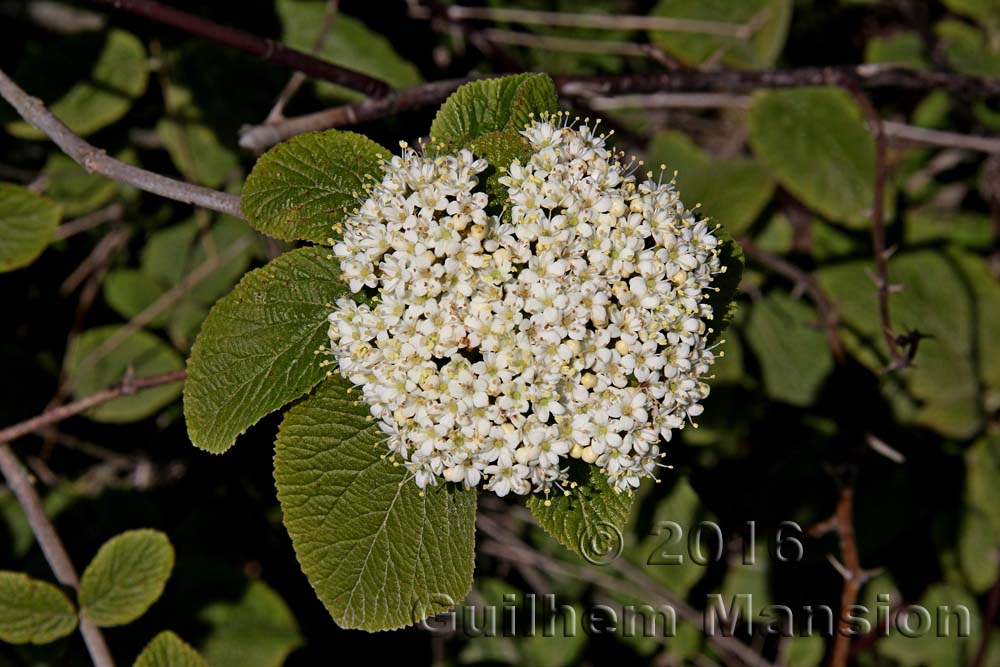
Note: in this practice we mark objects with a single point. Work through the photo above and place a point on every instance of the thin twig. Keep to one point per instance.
(96, 160)
(261, 137)
(727, 81)
(805, 281)
(896, 359)
(109, 213)
(573, 44)
(55, 553)
(508, 546)
(601, 21)
(126, 387)
(922, 135)
(277, 112)
(259, 47)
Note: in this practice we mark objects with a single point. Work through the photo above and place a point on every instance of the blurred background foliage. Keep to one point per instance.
(101, 280)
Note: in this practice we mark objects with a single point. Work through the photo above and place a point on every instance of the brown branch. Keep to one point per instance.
(805, 281)
(506, 545)
(261, 137)
(277, 113)
(730, 82)
(570, 20)
(260, 47)
(854, 575)
(52, 547)
(882, 286)
(97, 161)
(110, 213)
(128, 386)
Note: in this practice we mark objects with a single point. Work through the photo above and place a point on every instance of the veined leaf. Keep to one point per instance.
(300, 188)
(126, 577)
(256, 350)
(27, 221)
(169, 650)
(590, 520)
(492, 105)
(380, 553)
(33, 611)
(71, 186)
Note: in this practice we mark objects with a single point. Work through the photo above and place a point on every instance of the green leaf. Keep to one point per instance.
(196, 151)
(126, 577)
(726, 284)
(935, 301)
(977, 547)
(936, 646)
(968, 49)
(380, 553)
(258, 630)
(758, 52)
(349, 43)
(100, 357)
(793, 353)
(816, 145)
(130, 292)
(117, 77)
(499, 149)
(169, 650)
(256, 350)
(27, 221)
(164, 256)
(901, 48)
(731, 192)
(300, 188)
(805, 651)
(984, 12)
(658, 551)
(589, 521)
(76, 190)
(33, 611)
(492, 105)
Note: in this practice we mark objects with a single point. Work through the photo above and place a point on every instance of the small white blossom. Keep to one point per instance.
(497, 351)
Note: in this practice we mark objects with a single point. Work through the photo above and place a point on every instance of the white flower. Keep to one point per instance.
(496, 351)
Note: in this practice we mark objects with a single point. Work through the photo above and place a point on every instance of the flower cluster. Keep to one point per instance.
(497, 350)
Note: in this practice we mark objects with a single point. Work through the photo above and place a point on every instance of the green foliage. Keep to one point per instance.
(126, 577)
(100, 357)
(78, 192)
(589, 519)
(766, 23)
(169, 650)
(349, 43)
(118, 74)
(302, 187)
(792, 351)
(815, 143)
(33, 611)
(492, 105)
(731, 192)
(27, 221)
(726, 284)
(380, 553)
(257, 350)
(196, 151)
(258, 630)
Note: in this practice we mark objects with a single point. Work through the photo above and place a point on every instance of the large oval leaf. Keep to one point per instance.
(380, 553)
(816, 145)
(169, 650)
(27, 221)
(492, 105)
(299, 189)
(33, 611)
(126, 577)
(256, 350)
(118, 72)
(101, 357)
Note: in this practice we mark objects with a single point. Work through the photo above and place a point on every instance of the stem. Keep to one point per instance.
(260, 47)
(56, 415)
(55, 553)
(97, 161)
